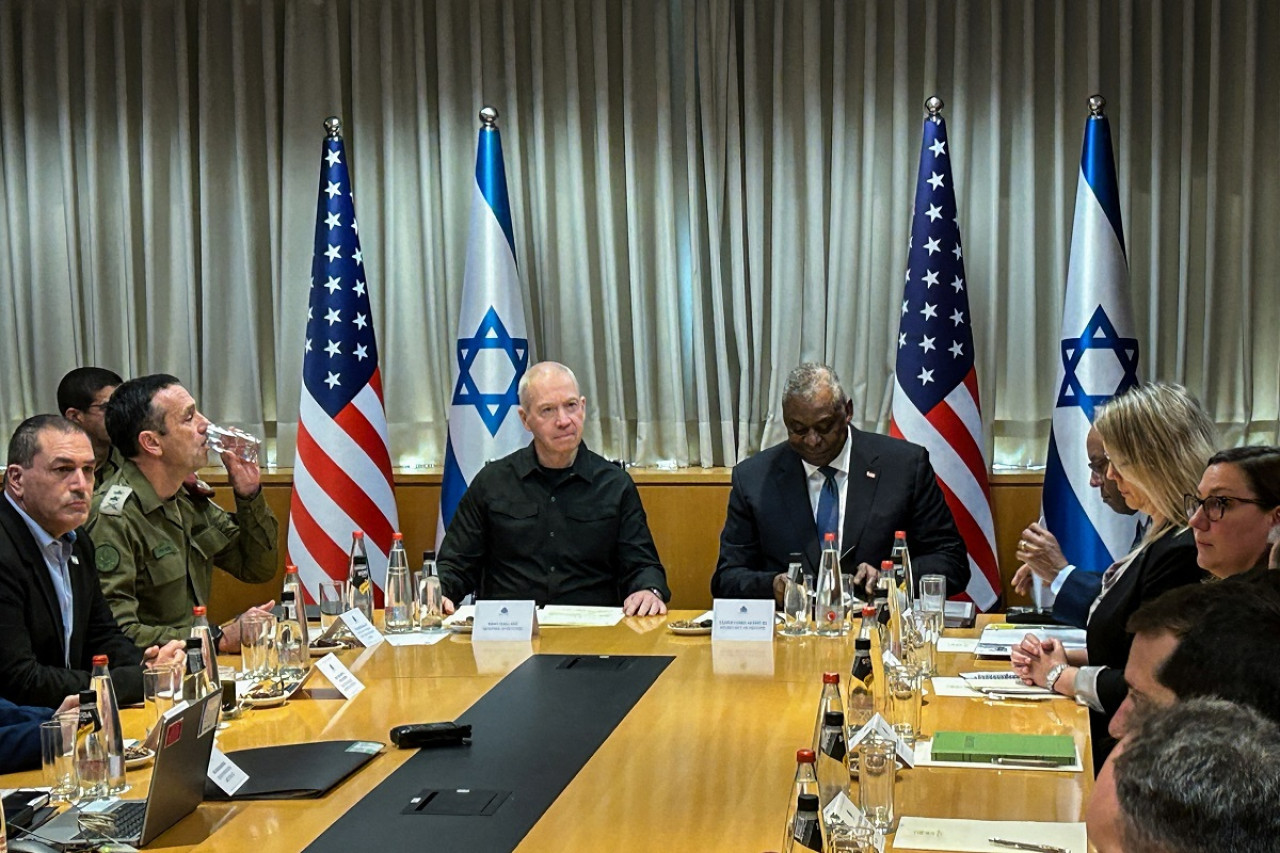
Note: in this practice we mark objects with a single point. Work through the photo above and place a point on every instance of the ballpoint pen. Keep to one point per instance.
(1024, 762)
(1026, 845)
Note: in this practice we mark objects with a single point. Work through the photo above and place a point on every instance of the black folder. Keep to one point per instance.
(295, 771)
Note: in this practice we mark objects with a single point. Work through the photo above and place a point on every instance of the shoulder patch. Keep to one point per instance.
(113, 502)
(107, 558)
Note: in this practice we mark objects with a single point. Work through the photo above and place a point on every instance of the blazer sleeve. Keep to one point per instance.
(20, 736)
(1078, 592)
(935, 544)
(741, 571)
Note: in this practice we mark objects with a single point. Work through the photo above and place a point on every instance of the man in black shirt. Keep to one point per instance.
(553, 522)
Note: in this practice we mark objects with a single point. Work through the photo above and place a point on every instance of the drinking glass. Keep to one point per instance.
(852, 604)
(428, 603)
(795, 608)
(159, 685)
(933, 593)
(333, 595)
(58, 756)
(851, 839)
(877, 769)
(920, 640)
(229, 439)
(257, 643)
(904, 683)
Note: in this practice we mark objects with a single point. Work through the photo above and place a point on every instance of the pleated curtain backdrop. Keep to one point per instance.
(703, 194)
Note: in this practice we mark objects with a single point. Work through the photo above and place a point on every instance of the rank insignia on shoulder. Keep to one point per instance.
(113, 501)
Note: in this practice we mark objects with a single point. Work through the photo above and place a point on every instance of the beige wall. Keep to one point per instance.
(686, 512)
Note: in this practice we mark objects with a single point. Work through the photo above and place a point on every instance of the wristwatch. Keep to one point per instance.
(215, 635)
(657, 592)
(1054, 674)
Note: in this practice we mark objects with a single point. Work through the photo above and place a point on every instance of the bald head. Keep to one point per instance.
(540, 371)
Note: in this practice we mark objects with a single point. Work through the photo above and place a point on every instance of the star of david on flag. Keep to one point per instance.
(935, 390)
(342, 471)
(492, 351)
(1099, 359)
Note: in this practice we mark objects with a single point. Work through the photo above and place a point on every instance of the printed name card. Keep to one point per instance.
(339, 676)
(504, 620)
(842, 812)
(225, 773)
(361, 628)
(880, 726)
(749, 619)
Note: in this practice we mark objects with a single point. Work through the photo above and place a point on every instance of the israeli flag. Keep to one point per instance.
(492, 350)
(1099, 359)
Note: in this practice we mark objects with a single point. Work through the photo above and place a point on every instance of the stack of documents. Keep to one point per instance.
(998, 637)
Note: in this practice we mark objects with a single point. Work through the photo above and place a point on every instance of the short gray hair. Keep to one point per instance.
(1200, 775)
(25, 443)
(810, 378)
(537, 371)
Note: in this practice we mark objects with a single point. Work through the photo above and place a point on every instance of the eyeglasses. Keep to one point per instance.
(1215, 506)
(1100, 467)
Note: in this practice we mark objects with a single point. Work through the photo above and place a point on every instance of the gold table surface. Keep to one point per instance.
(704, 761)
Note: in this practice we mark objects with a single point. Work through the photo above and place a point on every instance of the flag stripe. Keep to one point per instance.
(356, 502)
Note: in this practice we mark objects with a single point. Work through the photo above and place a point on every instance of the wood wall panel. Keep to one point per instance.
(686, 512)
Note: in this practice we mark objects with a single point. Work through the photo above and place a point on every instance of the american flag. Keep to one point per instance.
(935, 394)
(1099, 358)
(342, 472)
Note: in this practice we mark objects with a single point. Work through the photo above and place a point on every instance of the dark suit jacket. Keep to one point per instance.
(1071, 607)
(891, 487)
(1166, 563)
(32, 669)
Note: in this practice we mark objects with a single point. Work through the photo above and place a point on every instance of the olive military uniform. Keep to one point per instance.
(113, 463)
(156, 557)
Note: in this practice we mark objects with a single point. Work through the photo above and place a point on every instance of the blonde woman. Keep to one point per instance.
(1157, 440)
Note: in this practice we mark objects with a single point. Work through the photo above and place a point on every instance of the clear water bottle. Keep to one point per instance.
(893, 595)
(829, 700)
(861, 705)
(109, 714)
(828, 607)
(294, 583)
(429, 607)
(291, 640)
(200, 630)
(359, 581)
(901, 557)
(91, 749)
(833, 771)
(397, 613)
(806, 827)
(196, 684)
(805, 785)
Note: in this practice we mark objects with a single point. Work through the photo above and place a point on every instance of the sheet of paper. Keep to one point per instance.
(579, 617)
(924, 758)
(505, 621)
(746, 619)
(958, 645)
(999, 636)
(972, 836)
(339, 676)
(225, 773)
(361, 628)
(956, 686)
(1004, 682)
(416, 638)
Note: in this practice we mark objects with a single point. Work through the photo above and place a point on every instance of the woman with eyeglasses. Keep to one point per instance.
(1158, 440)
(1235, 509)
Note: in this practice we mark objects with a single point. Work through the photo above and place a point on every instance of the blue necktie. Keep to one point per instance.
(828, 517)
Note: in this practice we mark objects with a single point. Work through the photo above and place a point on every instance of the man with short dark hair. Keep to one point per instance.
(553, 521)
(829, 477)
(156, 542)
(1191, 642)
(82, 397)
(1196, 777)
(53, 617)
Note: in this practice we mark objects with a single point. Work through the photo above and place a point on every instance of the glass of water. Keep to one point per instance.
(332, 598)
(258, 644)
(877, 769)
(795, 608)
(904, 687)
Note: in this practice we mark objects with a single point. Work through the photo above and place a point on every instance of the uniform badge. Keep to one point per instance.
(113, 501)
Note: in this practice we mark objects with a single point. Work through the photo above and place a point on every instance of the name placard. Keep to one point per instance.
(749, 619)
(361, 628)
(504, 620)
(339, 676)
(880, 726)
(225, 773)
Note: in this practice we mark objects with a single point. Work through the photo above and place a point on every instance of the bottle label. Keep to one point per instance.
(808, 832)
(833, 743)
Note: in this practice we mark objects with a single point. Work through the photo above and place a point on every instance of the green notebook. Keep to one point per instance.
(983, 747)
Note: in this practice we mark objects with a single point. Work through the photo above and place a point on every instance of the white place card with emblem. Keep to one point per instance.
(504, 620)
(749, 619)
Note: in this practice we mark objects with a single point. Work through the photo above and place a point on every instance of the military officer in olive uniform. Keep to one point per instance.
(157, 542)
(82, 397)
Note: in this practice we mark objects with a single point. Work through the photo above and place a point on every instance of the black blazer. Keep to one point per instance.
(32, 669)
(891, 487)
(1071, 607)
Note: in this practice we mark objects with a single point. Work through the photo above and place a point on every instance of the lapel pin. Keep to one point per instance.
(871, 475)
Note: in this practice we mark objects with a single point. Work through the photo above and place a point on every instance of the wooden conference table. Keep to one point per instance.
(704, 761)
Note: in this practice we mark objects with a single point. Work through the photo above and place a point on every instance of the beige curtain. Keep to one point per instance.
(703, 194)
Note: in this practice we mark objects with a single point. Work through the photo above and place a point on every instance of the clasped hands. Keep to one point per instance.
(1033, 658)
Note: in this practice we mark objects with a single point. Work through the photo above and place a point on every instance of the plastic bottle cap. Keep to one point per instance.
(199, 610)
(88, 697)
(862, 644)
(193, 643)
(833, 718)
(99, 659)
(868, 610)
(886, 565)
(830, 678)
(899, 534)
(397, 536)
(795, 557)
(806, 756)
(290, 570)
(807, 802)
(357, 534)
(428, 555)
(828, 537)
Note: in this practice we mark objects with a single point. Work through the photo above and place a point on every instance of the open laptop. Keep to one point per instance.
(177, 785)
